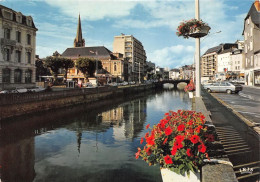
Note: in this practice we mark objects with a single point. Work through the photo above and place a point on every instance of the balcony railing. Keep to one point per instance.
(8, 42)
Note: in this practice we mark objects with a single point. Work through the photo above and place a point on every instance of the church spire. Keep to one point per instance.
(79, 41)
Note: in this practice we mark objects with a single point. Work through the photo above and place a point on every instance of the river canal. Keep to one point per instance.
(78, 145)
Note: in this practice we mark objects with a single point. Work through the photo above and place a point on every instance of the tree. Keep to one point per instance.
(66, 64)
(88, 66)
(54, 63)
(40, 69)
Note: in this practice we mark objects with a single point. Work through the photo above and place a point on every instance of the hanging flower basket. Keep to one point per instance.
(199, 32)
(192, 28)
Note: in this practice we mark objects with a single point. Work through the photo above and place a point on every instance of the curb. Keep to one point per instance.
(245, 120)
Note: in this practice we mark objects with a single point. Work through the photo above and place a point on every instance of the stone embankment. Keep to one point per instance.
(19, 104)
(219, 168)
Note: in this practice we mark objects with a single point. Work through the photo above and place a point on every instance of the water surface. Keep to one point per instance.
(79, 145)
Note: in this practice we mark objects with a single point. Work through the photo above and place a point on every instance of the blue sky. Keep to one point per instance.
(153, 22)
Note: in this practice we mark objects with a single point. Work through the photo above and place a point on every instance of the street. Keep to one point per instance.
(240, 141)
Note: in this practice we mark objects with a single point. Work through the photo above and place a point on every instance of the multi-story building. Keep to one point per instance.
(187, 72)
(209, 62)
(18, 44)
(174, 74)
(134, 52)
(114, 64)
(216, 60)
(251, 34)
(238, 63)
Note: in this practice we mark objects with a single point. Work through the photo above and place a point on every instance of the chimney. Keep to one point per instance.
(257, 5)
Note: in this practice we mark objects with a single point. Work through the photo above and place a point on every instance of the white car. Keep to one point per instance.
(37, 89)
(20, 90)
(4, 91)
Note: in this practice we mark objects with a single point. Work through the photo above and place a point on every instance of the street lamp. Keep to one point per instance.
(197, 54)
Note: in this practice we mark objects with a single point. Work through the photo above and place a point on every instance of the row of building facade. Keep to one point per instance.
(17, 49)
(239, 60)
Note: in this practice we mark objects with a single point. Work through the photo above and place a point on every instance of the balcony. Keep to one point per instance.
(7, 42)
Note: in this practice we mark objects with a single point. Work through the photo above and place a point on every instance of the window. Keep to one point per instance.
(7, 33)
(17, 56)
(17, 76)
(7, 54)
(6, 75)
(114, 66)
(28, 56)
(251, 45)
(28, 39)
(18, 36)
(28, 76)
(8, 14)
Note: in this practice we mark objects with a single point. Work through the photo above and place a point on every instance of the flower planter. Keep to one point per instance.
(170, 176)
(199, 32)
(190, 95)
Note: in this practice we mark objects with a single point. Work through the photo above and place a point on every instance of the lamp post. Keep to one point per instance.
(197, 54)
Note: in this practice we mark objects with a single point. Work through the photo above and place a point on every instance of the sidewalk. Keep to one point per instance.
(245, 106)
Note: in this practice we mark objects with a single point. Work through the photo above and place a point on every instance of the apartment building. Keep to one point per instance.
(251, 34)
(209, 62)
(134, 52)
(18, 44)
(216, 60)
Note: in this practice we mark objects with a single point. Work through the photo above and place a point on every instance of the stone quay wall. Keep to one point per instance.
(24, 103)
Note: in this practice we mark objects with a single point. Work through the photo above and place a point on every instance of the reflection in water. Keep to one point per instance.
(80, 145)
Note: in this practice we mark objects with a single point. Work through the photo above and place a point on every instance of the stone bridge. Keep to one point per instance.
(174, 82)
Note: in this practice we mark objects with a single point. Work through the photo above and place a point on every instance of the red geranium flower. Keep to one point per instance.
(150, 140)
(202, 148)
(168, 159)
(137, 154)
(168, 131)
(179, 138)
(195, 139)
(181, 127)
(174, 150)
(178, 144)
(142, 140)
(149, 151)
(188, 152)
(147, 126)
(165, 140)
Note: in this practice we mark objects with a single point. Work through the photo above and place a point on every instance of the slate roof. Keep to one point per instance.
(255, 16)
(99, 52)
(14, 17)
(216, 49)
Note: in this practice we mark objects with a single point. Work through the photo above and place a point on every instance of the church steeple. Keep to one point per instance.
(79, 41)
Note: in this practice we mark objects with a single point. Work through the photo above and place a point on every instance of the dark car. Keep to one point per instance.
(223, 87)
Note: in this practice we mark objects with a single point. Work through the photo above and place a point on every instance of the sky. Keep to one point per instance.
(153, 22)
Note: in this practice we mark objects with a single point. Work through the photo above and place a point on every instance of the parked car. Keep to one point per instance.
(89, 85)
(223, 87)
(5, 91)
(20, 90)
(38, 89)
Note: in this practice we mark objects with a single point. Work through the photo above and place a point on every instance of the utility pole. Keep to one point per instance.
(197, 54)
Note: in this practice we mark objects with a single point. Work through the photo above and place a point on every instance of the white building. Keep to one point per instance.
(238, 62)
(224, 61)
(134, 53)
(174, 74)
(18, 43)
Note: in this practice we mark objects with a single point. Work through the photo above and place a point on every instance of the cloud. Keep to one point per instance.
(94, 10)
(173, 56)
